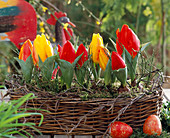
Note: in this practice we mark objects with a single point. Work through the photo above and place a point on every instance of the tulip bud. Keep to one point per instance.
(119, 65)
(117, 61)
(26, 50)
(104, 55)
(128, 39)
(81, 49)
(42, 47)
(95, 45)
(68, 52)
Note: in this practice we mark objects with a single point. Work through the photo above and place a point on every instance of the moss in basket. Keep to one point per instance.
(80, 70)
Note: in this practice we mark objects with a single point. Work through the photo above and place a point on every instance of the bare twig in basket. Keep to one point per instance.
(84, 88)
(49, 115)
(67, 133)
(93, 112)
(156, 81)
(61, 93)
(85, 116)
(60, 124)
(113, 102)
(121, 111)
(72, 88)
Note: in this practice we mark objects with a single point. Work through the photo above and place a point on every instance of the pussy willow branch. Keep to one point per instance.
(51, 5)
(55, 8)
(48, 29)
(84, 8)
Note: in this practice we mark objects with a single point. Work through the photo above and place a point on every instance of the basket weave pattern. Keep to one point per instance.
(72, 116)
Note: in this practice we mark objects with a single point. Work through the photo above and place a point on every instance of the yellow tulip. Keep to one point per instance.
(95, 45)
(104, 55)
(43, 47)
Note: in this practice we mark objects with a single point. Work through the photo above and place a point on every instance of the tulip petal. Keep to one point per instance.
(68, 52)
(43, 47)
(26, 50)
(96, 43)
(128, 39)
(81, 49)
(104, 55)
(117, 61)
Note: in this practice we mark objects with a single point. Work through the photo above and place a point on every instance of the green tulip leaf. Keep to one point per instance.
(128, 57)
(76, 60)
(26, 67)
(107, 73)
(47, 67)
(121, 75)
(131, 64)
(114, 44)
(113, 76)
(81, 72)
(144, 46)
(40, 63)
(67, 71)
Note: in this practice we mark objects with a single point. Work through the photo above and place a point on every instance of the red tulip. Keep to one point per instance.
(120, 130)
(55, 72)
(152, 125)
(117, 61)
(26, 50)
(81, 49)
(68, 52)
(127, 38)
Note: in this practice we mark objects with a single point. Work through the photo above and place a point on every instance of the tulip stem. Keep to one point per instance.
(138, 17)
(94, 70)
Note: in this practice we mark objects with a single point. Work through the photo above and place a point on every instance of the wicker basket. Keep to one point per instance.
(72, 116)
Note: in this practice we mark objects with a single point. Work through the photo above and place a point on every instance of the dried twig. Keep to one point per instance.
(113, 102)
(51, 5)
(85, 116)
(123, 110)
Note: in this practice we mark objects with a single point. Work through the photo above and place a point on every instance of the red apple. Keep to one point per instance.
(152, 125)
(120, 130)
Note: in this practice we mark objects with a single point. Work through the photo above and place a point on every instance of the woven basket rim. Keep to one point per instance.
(15, 88)
(96, 101)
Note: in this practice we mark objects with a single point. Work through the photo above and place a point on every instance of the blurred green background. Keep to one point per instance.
(149, 19)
